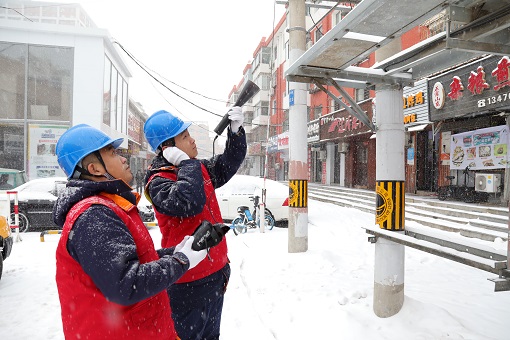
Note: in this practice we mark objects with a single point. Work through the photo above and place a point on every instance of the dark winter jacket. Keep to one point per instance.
(99, 236)
(186, 197)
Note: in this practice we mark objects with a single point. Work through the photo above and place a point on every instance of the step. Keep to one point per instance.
(342, 202)
(344, 193)
(454, 213)
(473, 207)
(437, 218)
(483, 213)
(465, 229)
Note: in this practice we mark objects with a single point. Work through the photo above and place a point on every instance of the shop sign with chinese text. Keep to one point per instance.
(341, 123)
(416, 110)
(475, 89)
(313, 131)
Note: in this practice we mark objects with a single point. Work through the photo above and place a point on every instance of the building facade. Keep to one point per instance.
(58, 70)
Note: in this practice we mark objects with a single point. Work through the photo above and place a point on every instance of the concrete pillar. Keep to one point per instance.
(390, 178)
(298, 156)
(330, 162)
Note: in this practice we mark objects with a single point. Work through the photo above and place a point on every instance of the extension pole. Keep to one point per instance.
(298, 151)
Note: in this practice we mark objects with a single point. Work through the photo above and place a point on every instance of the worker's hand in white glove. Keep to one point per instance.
(194, 257)
(236, 117)
(178, 247)
(174, 155)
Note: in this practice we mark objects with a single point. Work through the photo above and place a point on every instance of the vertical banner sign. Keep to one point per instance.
(298, 193)
(390, 200)
(42, 142)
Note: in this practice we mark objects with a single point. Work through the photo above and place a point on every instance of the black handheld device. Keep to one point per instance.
(248, 91)
(208, 235)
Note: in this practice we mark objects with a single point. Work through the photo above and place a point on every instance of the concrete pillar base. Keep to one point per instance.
(388, 300)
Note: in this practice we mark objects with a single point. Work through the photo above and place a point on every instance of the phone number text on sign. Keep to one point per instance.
(493, 100)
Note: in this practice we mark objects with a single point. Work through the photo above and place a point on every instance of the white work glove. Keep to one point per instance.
(236, 117)
(174, 155)
(194, 257)
(178, 247)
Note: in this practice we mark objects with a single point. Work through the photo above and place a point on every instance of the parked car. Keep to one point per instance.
(238, 191)
(37, 197)
(35, 203)
(11, 178)
(146, 210)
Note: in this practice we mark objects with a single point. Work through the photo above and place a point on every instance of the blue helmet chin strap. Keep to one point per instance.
(79, 170)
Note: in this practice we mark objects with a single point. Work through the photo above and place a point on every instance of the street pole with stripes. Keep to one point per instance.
(298, 151)
(390, 198)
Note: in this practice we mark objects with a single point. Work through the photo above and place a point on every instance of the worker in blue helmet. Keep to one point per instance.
(181, 188)
(110, 278)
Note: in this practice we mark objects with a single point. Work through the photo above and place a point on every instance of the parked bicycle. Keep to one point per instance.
(248, 220)
(461, 192)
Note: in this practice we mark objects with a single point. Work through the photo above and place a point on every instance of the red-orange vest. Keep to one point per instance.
(173, 229)
(86, 313)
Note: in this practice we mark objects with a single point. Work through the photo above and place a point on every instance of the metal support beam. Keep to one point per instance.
(306, 74)
(480, 47)
(355, 110)
(488, 266)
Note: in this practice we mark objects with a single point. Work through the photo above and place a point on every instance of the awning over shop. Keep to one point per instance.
(420, 127)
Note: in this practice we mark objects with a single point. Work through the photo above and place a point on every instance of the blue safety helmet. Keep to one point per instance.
(162, 126)
(79, 141)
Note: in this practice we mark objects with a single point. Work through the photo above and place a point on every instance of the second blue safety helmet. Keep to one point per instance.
(162, 126)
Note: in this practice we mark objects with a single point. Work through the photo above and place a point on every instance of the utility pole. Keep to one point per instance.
(298, 155)
(389, 266)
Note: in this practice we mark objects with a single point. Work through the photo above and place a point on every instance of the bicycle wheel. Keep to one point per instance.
(268, 217)
(238, 226)
(442, 193)
(269, 222)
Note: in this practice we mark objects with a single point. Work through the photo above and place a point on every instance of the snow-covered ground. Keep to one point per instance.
(324, 293)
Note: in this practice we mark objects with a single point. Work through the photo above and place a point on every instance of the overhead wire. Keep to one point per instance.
(160, 82)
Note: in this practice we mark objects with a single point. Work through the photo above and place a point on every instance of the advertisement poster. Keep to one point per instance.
(480, 149)
(444, 153)
(410, 156)
(42, 141)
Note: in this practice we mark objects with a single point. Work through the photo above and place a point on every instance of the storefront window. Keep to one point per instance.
(12, 80)
(12, 146)
(50, 77)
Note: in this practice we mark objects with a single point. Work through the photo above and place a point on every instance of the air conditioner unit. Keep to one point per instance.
(487, 182)
(322, 155)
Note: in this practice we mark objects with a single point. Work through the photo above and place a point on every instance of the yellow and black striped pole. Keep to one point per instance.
(390, 204)
(298, 193)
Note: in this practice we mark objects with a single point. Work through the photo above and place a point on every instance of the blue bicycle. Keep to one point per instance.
(246, 219)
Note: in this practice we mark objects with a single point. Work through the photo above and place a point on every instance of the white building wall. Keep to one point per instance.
(90, 47)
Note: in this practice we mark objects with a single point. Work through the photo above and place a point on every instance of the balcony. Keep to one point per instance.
(259, 121)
